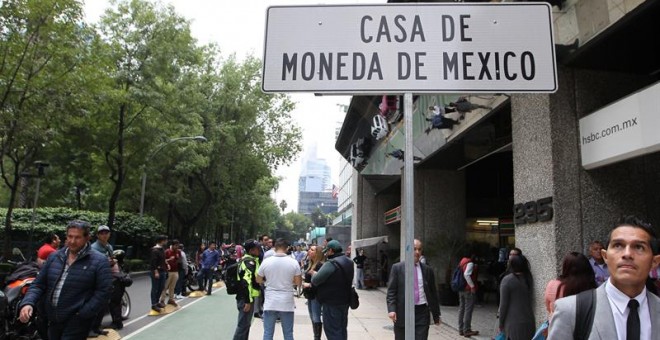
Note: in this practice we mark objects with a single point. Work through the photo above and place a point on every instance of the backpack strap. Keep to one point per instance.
(585, 308)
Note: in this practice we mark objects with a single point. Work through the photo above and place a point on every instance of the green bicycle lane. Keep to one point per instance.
(214, 316)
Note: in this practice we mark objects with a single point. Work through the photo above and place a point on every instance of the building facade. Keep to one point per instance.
(527, 170)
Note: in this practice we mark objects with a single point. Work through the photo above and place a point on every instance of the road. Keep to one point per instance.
(139, 322)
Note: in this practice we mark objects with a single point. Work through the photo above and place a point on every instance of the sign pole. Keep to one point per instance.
(408, 215)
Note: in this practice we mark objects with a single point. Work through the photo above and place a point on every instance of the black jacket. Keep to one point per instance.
(86, 289)
(334, 290)
(396, 292)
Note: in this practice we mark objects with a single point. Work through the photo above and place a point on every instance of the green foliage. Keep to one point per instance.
(102, 103)
(54, 220)
(135, 265)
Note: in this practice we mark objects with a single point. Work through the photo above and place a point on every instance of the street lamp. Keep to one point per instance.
(41, 166)
(157, 150)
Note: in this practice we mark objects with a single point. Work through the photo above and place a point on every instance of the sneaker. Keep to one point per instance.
(161, 305)
(258, 315)
(172, 302)
(178, 297)
(100, 331)
(155, 308)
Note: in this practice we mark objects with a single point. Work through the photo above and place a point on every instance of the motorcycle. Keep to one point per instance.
(124, 279)
(191, 278)
(11, 296)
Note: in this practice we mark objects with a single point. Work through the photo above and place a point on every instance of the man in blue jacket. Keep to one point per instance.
(210, 260)
(75, 283)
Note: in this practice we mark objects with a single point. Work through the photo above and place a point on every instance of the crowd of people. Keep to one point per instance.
(615, 280)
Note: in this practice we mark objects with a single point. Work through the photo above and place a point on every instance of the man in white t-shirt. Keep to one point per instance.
(280, 273)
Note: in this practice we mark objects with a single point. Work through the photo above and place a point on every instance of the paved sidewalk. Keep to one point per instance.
(370, 321)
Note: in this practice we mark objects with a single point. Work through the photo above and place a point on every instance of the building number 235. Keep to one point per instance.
(534, 211)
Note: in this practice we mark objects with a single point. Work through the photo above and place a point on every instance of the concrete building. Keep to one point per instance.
(538, 171)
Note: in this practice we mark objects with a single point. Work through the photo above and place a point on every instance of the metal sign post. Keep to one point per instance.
(399, 48)
(409, 215)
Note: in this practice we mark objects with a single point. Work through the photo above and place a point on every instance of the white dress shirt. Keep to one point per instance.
(420, 284)
(619, 305)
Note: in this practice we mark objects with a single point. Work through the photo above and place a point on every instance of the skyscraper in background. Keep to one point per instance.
(315, 185)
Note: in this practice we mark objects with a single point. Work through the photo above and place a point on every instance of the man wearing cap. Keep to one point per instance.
(105, 248)
(333, 282)
(248, 290)
(75, 284)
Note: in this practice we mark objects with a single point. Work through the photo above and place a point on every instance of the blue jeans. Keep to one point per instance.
(244, 321)
(206, 276)
(157, 285)
(286, 318)
(314, 309)
(180, 284)
(335, 321)
(359, 278)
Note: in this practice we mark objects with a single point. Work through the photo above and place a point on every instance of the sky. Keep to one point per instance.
(238, 28)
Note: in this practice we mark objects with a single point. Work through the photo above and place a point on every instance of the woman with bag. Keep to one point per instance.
(576, 276)
(315, 261)
(516, 294)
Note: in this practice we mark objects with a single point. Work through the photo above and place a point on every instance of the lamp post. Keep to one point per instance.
(157, 150)
(41, 166)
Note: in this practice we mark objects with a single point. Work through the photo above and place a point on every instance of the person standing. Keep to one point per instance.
(75, 284)
(426, 297)
(248, 290)
(103, 246)
(467, 296)
(333, 282)
(158, 272)
(359, 268)
(172, 258)
(624, 309)
(278, 273)
(315, 261)
(516, 316)
(51, 244)
(180, 289)
(209, 261)
(597, 263)
(384, 268)
(576, 276)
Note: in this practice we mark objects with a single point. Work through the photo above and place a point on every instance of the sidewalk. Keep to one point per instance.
(370, 321)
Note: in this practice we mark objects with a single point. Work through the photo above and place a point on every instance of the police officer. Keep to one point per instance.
(248, 290)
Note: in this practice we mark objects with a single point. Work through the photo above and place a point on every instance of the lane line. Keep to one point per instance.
(162, 318)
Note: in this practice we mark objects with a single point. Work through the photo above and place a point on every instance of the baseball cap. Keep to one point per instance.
(102, 228)
(334, 245)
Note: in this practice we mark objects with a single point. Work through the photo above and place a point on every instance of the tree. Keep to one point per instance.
(151, 49)
(42, 43)
(299, 222)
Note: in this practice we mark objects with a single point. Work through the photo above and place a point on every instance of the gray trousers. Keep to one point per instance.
(465, 308)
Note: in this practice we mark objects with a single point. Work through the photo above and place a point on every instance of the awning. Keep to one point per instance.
(365, 242)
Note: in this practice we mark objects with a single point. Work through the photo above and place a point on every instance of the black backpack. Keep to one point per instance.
(231, 279)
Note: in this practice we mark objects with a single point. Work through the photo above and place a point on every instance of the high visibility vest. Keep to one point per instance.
(248, 274)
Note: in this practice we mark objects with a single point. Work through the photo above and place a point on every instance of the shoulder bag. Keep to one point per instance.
(354, 300)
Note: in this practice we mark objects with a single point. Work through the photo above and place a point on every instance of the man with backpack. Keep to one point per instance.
(622, 307)
(466, 297)
(247, 288)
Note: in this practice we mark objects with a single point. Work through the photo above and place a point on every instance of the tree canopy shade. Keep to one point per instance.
(96, 101)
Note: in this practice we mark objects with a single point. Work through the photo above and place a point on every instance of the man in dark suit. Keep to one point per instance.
(625, 309)
(426, 297)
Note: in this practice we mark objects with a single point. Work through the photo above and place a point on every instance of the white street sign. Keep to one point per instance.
(425, 47)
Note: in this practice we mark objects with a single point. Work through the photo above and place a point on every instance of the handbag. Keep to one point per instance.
(541, 332)
(354, 298)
